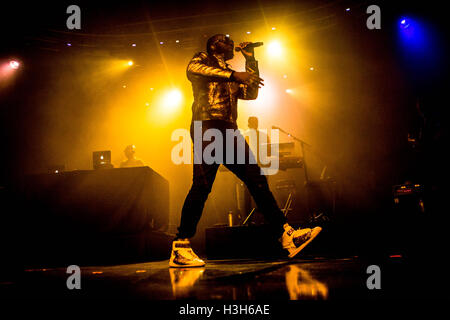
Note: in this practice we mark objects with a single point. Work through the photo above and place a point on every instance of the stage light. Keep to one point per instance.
(69, 44)
(177, 41)
(413, 35)
(273, 28)
(133, 45)
(348, 9)
(248, 32)
(165, 106)
(410, 30)
(311, 68)
(8, 70)
(421, 46)
(274, 49)
(161, 42)
(268, 99)
(288, 90)
(113, 67)
(172, 99)
(14, 64)
(405, 23)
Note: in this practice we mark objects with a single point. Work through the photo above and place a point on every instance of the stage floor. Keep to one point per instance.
(307, 278)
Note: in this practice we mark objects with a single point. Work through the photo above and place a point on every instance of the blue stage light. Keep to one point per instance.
(417, 40)
(411, 32)
(405, 23)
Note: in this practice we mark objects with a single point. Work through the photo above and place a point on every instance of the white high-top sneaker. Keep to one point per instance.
(295, 240)
(183, 256)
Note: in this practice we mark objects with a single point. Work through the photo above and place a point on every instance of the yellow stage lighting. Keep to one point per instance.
(275, 49)
(265, 105)
(172, 99)
(167, 106)
(105, 68)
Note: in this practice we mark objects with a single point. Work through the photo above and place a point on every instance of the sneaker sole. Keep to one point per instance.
(314, 234)
(173, 265)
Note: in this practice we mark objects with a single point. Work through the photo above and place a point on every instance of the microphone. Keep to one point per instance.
(250, 45)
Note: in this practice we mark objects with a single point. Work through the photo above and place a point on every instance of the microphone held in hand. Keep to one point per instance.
(250, 45)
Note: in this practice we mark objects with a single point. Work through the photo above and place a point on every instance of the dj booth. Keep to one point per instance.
(89, 216)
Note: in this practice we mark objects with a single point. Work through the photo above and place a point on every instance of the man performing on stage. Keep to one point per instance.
(216, 89)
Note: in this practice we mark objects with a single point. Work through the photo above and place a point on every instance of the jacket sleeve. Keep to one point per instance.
(198, 67)
(249, 91)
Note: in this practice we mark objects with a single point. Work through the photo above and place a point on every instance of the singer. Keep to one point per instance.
(216, 88)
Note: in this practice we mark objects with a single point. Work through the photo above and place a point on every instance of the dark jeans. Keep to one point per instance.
(203, 179)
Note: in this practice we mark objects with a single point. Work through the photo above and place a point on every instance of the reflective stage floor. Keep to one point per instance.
(305, 278)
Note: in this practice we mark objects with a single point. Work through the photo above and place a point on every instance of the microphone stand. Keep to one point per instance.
(307, 182)
(302, 147)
